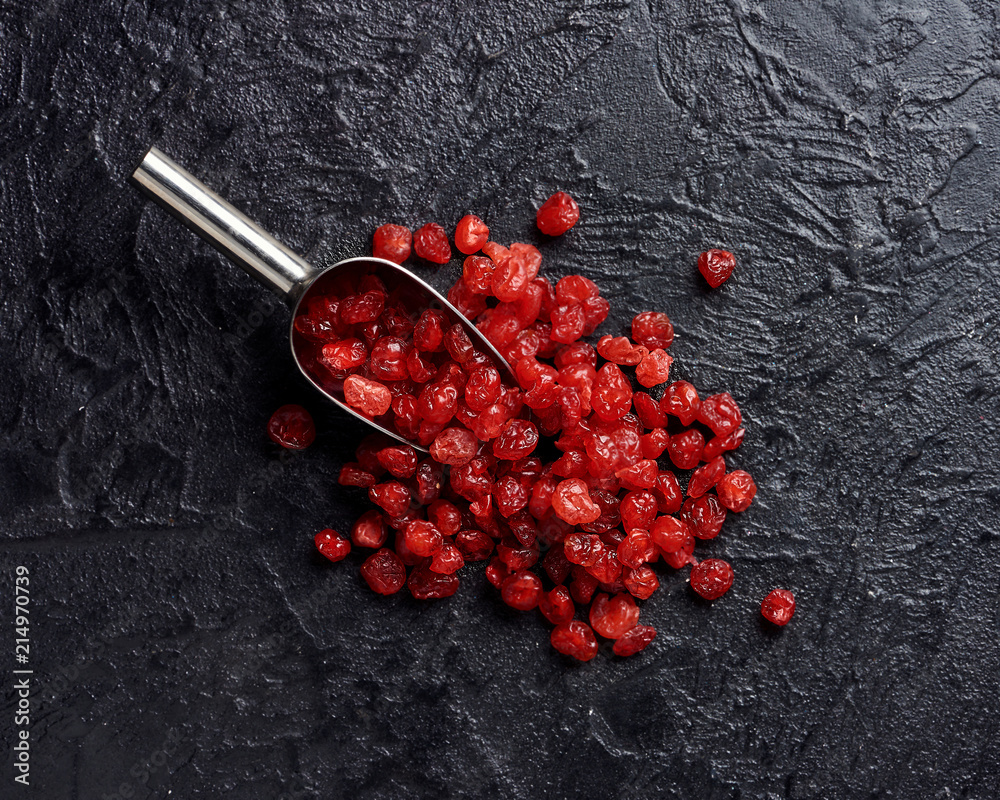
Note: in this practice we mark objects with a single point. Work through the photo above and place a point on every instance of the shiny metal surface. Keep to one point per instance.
(280, 269)
(228, 230)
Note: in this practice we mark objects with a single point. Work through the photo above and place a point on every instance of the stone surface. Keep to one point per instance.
(186, 637)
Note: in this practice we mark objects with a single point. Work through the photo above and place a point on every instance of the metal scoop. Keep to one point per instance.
(283, 271)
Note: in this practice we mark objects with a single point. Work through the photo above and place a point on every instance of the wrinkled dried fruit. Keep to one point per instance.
(778, 606)
(384, 572)
(634, 640)
(332, 545)
(557, 214)
(292, 427)
(392, 242)
(471, 234)
(736, 490)
(711, 578)
(575, 639)
(522, 590)
(653, 330)
(612, 617)
(431, 242)
(716, 266)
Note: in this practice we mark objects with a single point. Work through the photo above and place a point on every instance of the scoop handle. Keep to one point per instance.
(228, 230)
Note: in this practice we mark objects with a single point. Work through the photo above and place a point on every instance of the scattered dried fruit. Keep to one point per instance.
(292, 427)
(716, 266)
(557, 214)
(558, 532)
(431, 242)
(778, 606)
(392, 242)
(711, 578)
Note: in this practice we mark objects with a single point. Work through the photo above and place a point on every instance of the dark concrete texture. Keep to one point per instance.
(187, 641)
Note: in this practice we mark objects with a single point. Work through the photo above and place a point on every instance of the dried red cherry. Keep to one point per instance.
(392, 242)
(384, 572)
(716, 266)
(557, 214)
(575, 639)
(778, 606)
(471, 234)
(292, 427)
(332, 545)
(711, 578)
(431, 243)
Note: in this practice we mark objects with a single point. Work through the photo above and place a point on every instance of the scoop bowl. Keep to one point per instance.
(289, 275)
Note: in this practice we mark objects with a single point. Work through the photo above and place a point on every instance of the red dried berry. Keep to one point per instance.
(497, 572)
(619, 350)
(655, 443)
(583, 586)
(711, 578)
(681, 400)
(392, 242)
(369, 531)
(391, 496)
(778, 607)
(514, 274)
(343, 355)
(437, 402)
(612, 617)
(653, 330)
(654, 368)
(671, 535)
(638, 510)
(431, 243)
(447, 561)
(354, 475)
(582, 548)
(384, 572)
(705, 515)
(477, 274)
(706, 476)
(668, 493)
(371, 398)
(522, 590)
(474, 545)
(557, 214)
(557, 605)
(716, 266)
(685, 448)
(332, 545)
(575, 639)
(428, 332)
(454, 446)
(422, 538)
(641, 475)
(637, 549)
(736, 490)
(361, 308)
(424, 584)
(649, 412)
(568, 323)
(720, 413)
(388, 359)
(571, 501)
(718, 445)
(471, 234)
(517, 439)
(634, 640)
(292, 427)
(611, 397)
(641, 582)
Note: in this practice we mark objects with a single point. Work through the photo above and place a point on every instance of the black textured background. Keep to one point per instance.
(188, 643)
